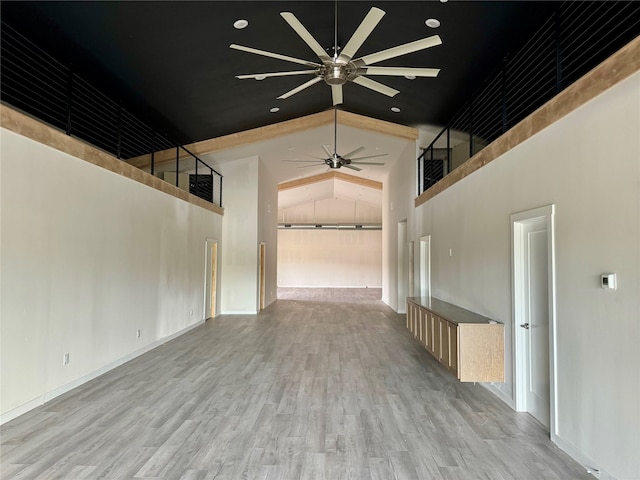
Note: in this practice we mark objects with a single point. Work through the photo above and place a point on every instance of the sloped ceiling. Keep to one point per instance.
(333, 188)
(173, 61)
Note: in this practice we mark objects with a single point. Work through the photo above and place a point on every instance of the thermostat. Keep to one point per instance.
(609, 281)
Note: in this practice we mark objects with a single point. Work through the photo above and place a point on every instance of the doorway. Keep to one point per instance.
(534, 314)
(211, 276)
(425, 266)
(403, 277)
(262, 275)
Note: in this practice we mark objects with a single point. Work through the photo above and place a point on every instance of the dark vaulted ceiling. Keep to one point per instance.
(172, 61)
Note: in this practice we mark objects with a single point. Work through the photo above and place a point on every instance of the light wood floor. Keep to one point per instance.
(307, 389)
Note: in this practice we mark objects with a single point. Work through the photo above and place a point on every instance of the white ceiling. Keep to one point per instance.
(333, 188)
(277, 153)
(280, 157)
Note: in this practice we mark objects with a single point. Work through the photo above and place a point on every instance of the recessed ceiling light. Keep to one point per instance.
(432, 22)
(410, 77)
(274, 110)
(444, 1)
(240, 24)
(260, 77)
(395, 109)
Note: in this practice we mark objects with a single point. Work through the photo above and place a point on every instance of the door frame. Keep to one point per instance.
(425, 266)
(210, 278)
(518, 220)
(262, 262)
(411, 292)
(402, 274)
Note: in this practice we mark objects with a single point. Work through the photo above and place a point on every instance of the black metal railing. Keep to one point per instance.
(36, 83)
(574, 40)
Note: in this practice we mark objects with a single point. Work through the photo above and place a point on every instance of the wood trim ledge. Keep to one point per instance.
(365, 182)
(277, 130)
(622, 64)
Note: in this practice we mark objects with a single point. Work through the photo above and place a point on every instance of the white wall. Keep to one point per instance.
(329, 258)
(268, 230)
(398, 195)
(239, 257)
(332, 211)
(88, 258)
(588, 166)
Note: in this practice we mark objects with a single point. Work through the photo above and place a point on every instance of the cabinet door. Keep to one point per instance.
(411, 317)
(444, 342)
(428, 322)
(409, 307)
(422, 325)
(435, 336)
(452, 364)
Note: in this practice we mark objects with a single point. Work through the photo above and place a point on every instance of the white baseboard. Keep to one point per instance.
(56, 392)
(330, 286)
(238, 312)
(389, 305)
(589, 465)
(500, 394)
(566, 446)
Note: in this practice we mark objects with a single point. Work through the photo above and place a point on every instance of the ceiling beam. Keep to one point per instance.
(377, 126)
(268, 132)
(300, 182)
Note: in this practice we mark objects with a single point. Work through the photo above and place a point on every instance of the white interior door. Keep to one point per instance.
(262, 294)
(425, 266)
(536, 324)
(403, 275)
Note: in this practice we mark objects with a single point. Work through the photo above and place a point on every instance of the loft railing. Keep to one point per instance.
(574, 40)
(36, 83)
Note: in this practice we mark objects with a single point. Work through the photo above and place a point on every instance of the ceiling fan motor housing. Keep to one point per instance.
(335, 162)
(335, 73)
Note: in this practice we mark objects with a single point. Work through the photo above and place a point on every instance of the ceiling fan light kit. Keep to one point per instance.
(343, 68)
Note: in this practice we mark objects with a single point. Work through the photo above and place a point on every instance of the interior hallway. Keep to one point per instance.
(306, 389)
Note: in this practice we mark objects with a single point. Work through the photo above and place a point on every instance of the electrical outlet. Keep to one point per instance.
(191, 312)
(137, 333)
(65, 359)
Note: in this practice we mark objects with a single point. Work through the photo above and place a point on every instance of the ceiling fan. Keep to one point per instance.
(337, 161)
(340, 69)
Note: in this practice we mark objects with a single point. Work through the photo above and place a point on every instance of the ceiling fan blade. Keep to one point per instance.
(273, 55)
(366, 163)
(304, 161)
(300, 88)
(353, 152)
(291, 19)
(336, 94)
(276, 74)
(369, 156)
(373, 85)
(361, 34)
(399, 71)
(401, 50)
(352, 167)
(312, 156)
(327, 150)
(312, 165)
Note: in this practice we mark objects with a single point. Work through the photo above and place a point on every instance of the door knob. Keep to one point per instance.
(525, 326)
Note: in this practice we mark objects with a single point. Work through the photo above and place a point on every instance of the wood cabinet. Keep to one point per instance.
(413, 312)
(469, 345)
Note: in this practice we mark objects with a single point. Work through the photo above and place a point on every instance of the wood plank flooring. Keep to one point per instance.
(334, 388)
